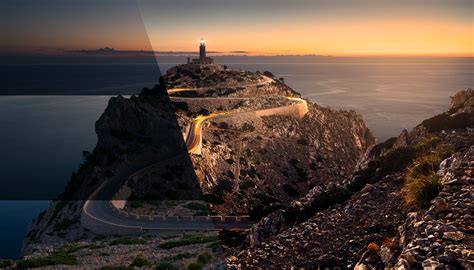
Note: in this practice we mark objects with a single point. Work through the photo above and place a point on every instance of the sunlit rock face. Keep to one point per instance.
(369, 220)
(265, 148)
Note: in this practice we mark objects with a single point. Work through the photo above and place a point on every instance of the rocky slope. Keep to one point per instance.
(409, 205)
(250, 165)
(255, 165)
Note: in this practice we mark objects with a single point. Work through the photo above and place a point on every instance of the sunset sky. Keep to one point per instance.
(259, 27)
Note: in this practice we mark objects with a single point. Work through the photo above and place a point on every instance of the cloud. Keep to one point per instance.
(238, 52)
(113, 52)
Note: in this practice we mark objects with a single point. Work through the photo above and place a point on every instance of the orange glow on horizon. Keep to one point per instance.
(428, 37)
(369, 37)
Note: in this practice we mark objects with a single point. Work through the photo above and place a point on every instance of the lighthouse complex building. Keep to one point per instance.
(202, 64)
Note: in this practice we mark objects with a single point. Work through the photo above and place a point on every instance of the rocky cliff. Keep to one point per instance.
(250, 164)
(409, 205)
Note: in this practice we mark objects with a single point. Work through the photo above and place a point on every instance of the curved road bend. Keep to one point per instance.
(103, 212)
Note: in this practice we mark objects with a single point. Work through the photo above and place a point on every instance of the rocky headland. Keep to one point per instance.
(319, 189)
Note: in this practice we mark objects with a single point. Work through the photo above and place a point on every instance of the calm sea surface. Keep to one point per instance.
(43, 136)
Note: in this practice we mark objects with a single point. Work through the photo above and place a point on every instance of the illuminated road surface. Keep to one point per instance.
(102, 212)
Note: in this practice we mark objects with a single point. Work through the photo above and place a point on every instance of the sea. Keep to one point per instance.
(48, 113)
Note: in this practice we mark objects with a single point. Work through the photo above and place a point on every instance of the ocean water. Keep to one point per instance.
(42, 142)
(43, 136)
(390, 96)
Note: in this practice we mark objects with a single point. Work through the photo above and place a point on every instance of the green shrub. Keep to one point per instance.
(427, 144)
(204, 258)
(188, 240)
(196, 206)
(380, 148)
(194, 266)
(56, 258)
(201, 213)
(128, 241)
(444, 151)
(246, 185)
(222, 187)
(6, 263)
(118, 267)
(319, 203)
(180, 256)
(136, 204)
(64, 225)
(212, 198)
(232, 238)
(71, 248)
(303, 141)
(445, 122)
(395, 160)
(224, 125)
(139, 261)
(165, 266)
(59, 206)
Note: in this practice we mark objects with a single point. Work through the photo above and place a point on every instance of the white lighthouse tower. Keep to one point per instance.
(202, 49)
(203, 59)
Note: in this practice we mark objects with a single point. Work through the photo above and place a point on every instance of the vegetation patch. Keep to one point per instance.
(118, 267)
(6, 263)
(165, 266)
(421, 182)
(445, 122)
(202, 259)
(71, 248)
(196, 206)
(194, 266)
(212, 198)
(136, 203)
(64, 225)
(59, 206)
(56, 258)
(128, 241)
(188, 240)
(246, 185)
(232, 238)
(139, 261)
(180, 256)
(223, 187)
(303, 141)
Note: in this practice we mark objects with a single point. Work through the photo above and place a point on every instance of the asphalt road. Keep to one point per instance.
(100, 210)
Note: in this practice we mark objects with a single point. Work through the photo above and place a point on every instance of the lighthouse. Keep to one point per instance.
(203, 59)
(202, 64)
(202, 49)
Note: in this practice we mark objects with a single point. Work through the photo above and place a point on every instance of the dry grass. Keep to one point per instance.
(391, 243)
(421, 182)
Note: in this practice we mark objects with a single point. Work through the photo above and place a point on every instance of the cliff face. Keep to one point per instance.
(250, 164)
(408, 205)
(321, 193)
(265, 163)
(132, 134)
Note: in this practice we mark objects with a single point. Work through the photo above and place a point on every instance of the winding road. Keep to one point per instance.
(104, 217)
